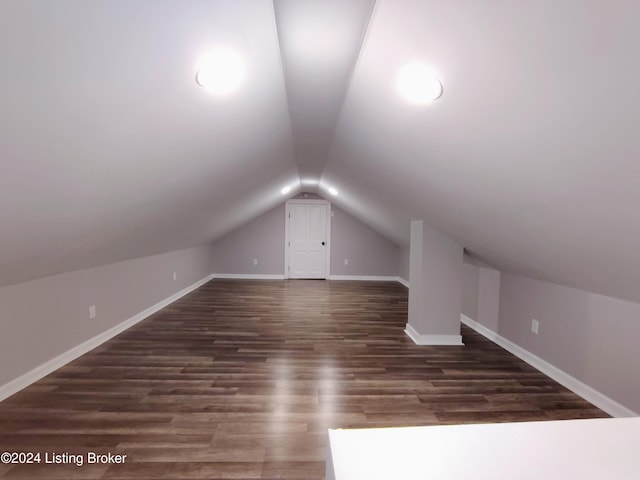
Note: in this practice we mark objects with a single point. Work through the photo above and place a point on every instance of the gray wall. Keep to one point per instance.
(489, 298)
(436, 282)
(404, 263)
(481, 293)
(470, 291)
(44, 318)
(262, 239)
(368, 252)
(591, 337)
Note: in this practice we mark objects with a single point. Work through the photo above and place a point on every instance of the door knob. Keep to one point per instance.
(322, 243)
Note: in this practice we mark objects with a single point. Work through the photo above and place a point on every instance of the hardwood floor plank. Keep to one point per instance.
(58, 472)
(185, 471)
(242, 379)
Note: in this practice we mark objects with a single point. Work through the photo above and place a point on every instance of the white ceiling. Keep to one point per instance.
(109, 149)
(320, 42)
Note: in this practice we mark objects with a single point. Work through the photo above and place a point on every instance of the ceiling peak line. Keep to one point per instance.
(320, 42)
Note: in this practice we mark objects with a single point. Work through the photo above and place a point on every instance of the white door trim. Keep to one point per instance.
(298, 201)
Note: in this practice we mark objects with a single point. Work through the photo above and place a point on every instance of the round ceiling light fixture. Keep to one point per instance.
(333, 191)
(285, 190)
(221, 71)
(418, 84)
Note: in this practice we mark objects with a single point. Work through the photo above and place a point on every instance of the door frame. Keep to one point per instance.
(306, 201)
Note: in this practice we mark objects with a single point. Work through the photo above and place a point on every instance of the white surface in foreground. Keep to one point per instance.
(575, 449)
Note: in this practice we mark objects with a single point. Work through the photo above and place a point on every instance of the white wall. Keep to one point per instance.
(44, 318)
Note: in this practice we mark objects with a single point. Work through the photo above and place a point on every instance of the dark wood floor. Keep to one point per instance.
(242, 379)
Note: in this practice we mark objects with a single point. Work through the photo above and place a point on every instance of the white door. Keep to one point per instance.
(307, 247)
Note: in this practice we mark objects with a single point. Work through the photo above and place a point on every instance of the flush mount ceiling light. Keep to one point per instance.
(285, 190)
(418, 84)
(221, 71)
(333, 191)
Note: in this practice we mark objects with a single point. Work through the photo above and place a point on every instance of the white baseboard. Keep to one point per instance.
(593, 396)
(478, 327)
(23, 381)
(371, 278)
(432, 339)
(364, 278)
(249, 276)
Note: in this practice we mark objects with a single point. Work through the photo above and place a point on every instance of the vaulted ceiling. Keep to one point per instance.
(110, 150)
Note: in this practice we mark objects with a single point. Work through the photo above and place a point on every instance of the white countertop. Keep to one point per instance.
(603, 449)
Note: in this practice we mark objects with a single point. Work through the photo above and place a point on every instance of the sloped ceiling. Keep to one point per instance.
(109, 149)
(530, 157)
